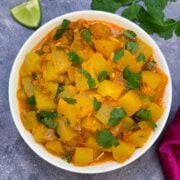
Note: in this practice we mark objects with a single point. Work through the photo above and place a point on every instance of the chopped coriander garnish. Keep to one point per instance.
(133, 80)
(130, 34)
(58, 34)
(70, 100)
(59, 90)
(47, 118)
(74, 58)
(60, 31)
(152, 124)
(143, 114)
(102, 76)
(132, 47)
(150, 65)
(91, 81)
(96, 104)
(86, 34)
(118, 55)
(115, 116)
(106, 139)
(31, 101)
(140, 57)
(67, 157)
(65, 24)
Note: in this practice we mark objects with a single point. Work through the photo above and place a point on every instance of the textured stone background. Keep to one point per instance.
(17, 161)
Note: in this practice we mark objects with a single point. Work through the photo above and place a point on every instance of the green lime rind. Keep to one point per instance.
(28, 13)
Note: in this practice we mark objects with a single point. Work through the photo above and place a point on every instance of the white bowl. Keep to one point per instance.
(28, 46)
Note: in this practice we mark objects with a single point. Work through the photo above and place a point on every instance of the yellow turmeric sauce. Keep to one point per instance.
(91, 92)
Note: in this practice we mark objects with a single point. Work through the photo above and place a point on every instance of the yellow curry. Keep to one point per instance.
(91, 91)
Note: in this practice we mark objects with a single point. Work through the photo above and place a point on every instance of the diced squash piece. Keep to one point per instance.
(71, 73)
(100, 30)
(29, 120)
(80, 82)
(21, 94)
(130, 102)
(49, 73)
(138, 138)
(84, 105)
(83, 156)
(127, 123)
(27, 85)
(103, 114)
(68, 111)
(65, 131)
(123, 151)
(55, 147)
(91, 124)
(110, 89)
(96, 64)
(150, 79)
(69, 91)
(146, 101)
(129, 60)
(39, 133)
(52, 88)
(43, 101)
(106, 46)
(85, 53)
(145, 49)
(60, 61)
(156, 111)
(31, 64)
(91, 143)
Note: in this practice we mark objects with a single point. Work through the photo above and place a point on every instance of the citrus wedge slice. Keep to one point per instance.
(27, 13)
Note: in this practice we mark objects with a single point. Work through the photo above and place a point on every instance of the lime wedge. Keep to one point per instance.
(27, 13)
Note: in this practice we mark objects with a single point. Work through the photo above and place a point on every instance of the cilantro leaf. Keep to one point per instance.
(102, 76)
(143, 114)
(96, 104)
(70, 100)
(91, 81)
(86, 34)
(115, 116)
(64, 26)
(150, 65)
(118, 55)
(140, 57)
(130, 34)
(58, 34)
(105, 139)
(133, 80)
(31, 101)
(131, 12)
(59, 90)
(177, 30)
(152, 124)
(74, 58)
(132, 47)
(47, 118)
(67, 157)
(106, 5)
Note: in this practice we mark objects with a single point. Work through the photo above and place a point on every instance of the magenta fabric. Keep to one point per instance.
(169, 150)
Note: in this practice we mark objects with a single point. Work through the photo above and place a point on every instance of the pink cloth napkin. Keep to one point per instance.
(169, 150)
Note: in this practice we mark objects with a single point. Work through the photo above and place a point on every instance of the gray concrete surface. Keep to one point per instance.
(17, 161)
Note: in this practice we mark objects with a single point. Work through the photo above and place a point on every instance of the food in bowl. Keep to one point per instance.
(90, 92)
